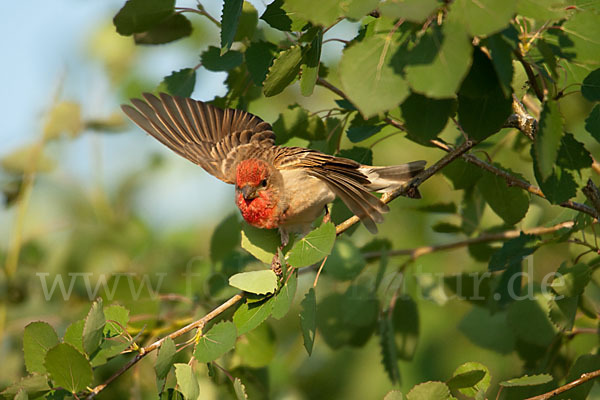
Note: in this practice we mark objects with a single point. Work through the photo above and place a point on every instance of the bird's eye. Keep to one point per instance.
(263, 183)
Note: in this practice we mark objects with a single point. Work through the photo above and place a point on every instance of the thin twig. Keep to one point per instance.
(582, 379)
(199, 324)
(530, 75)
(592, 193)
(487, 237)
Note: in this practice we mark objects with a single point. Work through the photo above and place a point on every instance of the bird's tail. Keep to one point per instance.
(389, 178)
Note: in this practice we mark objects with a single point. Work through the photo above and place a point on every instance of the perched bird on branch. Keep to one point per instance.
(275, 186)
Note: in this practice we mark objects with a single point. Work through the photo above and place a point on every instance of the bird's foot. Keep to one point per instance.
(277, 263)
(327, 216)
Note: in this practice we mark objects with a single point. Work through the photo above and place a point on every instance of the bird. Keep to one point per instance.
(275, 186)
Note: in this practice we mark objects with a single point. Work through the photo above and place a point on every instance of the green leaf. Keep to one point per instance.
(285, 297)
(527, 380)
(212, 59)
(216, 342)
(164, 360)
(446, 227)
(367, 77)
(74, 335)
(179, 83)
(411, 10)
(429, 391)
(261, 243)
(571, 281)
(94, 327)
(259, 56)
(562, 312)
(462, 174)
(513, 252)
(230, 17)
(346, 261)
(541, 10)
(313, 247)
(257, 347)
(405, 321)
(572, 154)
(141, 15)
(501, 50)
(483, 106)
(116, 320)
(362, 155)
(258, 282)
(187, 381)
(529, 320)
(559, 186)
(308, 319)
(470, 378)
(310, 66)
(239, 389)
(335, 319)
(361, 306)
(548, 139)
(508, 202)
(592, 123)
(281, 19)
(387, 344)
(225, 237)
(107, 350)
(319, 12)
(489, 331)
(483, 17)
(296, 122)
(443, 53)
(590, 88)
(38, 337)
(250, 315)
(421, 126)
(174, 27)
(585, 363)
(283, 71)
(68, 368)
(33, 385)
(247, 23)
(393, 395)
(583, 32)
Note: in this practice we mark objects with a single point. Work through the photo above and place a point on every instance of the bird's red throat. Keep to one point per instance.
(262, 210)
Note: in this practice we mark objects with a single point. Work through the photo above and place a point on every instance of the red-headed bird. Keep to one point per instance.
(275, 186)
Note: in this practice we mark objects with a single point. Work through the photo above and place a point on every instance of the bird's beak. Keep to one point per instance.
(249, 192)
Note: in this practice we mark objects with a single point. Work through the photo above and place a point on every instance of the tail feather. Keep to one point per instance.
(388, 178)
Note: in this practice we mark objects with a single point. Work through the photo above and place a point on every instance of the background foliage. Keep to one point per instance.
(487, 287)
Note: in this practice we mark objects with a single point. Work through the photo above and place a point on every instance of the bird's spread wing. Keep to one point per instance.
(211, 137)
(343, 177)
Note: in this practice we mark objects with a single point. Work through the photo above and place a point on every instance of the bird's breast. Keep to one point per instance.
(305, 197)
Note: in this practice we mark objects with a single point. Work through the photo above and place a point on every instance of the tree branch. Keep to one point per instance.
(144, 351)
(488, 237)
(582, 379)
(593, 194)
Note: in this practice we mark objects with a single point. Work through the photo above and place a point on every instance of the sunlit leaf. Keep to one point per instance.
(68, 368)
(308, 319)
(313, 247)
(230, 17)
(164, 360)
(94, 327)
(258, 282)
(187, 381)
(38, 338)
(250, 315)
(216, 342)
(283, 71)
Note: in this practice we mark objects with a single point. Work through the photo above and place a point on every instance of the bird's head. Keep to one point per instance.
(256, 178)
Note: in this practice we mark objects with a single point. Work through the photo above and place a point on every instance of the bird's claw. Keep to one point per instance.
(276, 265)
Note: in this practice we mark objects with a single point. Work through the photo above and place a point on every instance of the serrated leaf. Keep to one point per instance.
(38, 338)
(285, 297)
(172, 28)
(405, 321)
(367, 78)
(387, 343)
(261, 243)
(247, 23)
(513, 251)
(308, 319)
(572, 154)
(548, 139)
(590, 88)
(164, 360)
(239, 389)
(592, 123)
(179, 83)
(562, 312)
(527, 380)
(283, 71)
(559, 186)
(508, 202)
(530, 322)
(319, 12)
(281, 19)
(94, 327)
(68, 368)
(483, 105)
(141, 15)
(583, 31)
(259, 56)
(310, 66)
(571, 281)
(412, 10)
(116, 320)
(442, 52)
(313, 247)
(483, 17)
(296, 122)
(250, 315)
(429, 391)
(422, 127)
(258, 282)
(212, 59)
(187, 381)
(74, 335)
(393, 395)
(470, 379)
(230, 17)
(216, 342)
